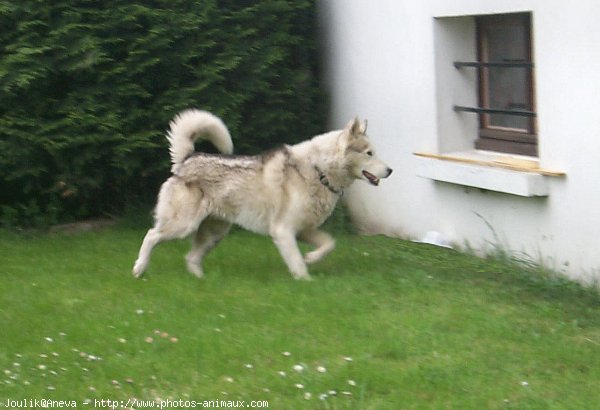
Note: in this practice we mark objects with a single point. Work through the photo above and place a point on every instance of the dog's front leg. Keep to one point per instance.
(285, 241)
(322, 241)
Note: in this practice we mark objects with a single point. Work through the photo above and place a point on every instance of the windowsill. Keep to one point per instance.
(511, 174)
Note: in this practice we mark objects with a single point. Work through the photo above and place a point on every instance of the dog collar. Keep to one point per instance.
(325, 182)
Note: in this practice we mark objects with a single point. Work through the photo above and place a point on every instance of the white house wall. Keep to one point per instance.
(385, 61)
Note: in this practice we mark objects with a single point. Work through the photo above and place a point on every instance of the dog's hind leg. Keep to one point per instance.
(285, 241)
(178, 213)
(323, 242)
(159, 233)
(152, 238)
(208, 235)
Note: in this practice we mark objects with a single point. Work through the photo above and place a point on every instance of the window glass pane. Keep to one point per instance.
(508, 88)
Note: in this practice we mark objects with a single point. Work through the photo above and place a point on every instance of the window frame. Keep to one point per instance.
(514, 141)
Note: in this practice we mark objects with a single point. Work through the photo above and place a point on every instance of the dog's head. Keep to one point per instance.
(359, 154)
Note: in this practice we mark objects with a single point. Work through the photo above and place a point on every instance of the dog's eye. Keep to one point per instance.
(370, 153)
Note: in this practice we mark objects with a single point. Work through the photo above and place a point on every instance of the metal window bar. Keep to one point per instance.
(503, 64)
(478, 110)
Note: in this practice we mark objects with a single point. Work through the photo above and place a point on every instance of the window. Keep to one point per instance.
(507, 118)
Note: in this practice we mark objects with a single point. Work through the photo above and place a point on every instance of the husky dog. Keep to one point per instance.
(286, 193)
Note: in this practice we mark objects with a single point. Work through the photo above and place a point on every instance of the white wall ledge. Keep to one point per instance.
(511, 175)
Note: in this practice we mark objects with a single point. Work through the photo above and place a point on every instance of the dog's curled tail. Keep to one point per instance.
(191, 125)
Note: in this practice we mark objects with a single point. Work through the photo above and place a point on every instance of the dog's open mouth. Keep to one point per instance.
(371, 178)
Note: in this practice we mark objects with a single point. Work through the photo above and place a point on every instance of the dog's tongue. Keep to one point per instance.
(372, 178)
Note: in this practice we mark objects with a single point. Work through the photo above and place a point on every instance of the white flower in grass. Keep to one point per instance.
(140, 311)
(348, 358)
(332, 393)
(248, 366)
(229, 379)
(323, 396)
(307, 395)
(298, 368)
(286, 354)
(321, 369)
(299, 385)
(49, 339)
(281, 373)
(51, 388)
(347, 393)
(524, 384)
(351, 382)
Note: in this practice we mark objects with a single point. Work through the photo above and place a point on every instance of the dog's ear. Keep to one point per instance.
(353, 127)
(363, 127)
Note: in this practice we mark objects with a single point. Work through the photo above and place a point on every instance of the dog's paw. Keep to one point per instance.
(306, 277)
(313, 257)
(195, 270)
(138, 270)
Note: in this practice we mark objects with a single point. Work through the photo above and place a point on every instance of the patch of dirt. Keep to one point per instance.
(83, 226)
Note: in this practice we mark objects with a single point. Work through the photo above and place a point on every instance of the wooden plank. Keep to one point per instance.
(504, 163)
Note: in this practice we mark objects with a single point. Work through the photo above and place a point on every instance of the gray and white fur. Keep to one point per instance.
(286, 193)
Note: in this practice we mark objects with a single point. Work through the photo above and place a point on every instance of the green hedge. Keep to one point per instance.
(87, 89)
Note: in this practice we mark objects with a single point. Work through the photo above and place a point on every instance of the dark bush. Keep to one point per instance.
(87, 89)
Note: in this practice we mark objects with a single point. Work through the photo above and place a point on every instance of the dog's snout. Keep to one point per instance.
(389, 172)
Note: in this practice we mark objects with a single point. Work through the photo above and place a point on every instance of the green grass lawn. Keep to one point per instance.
(387, 324)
